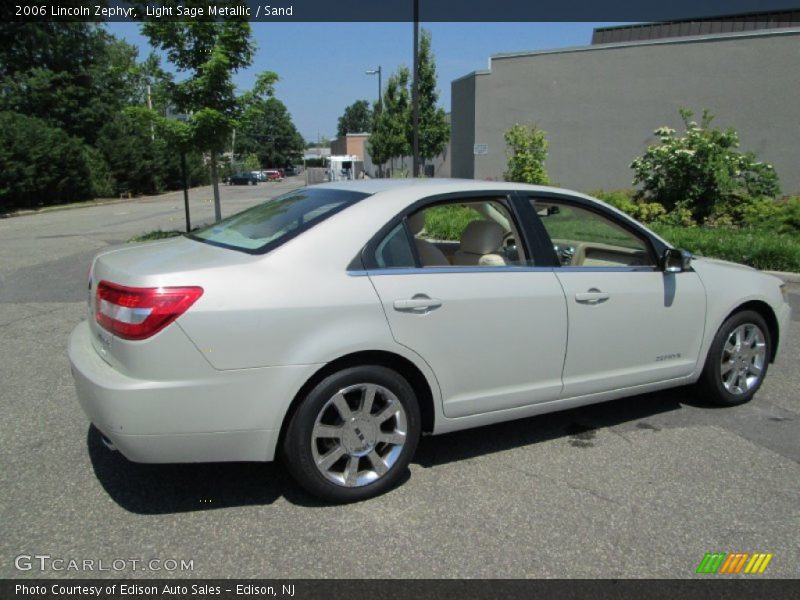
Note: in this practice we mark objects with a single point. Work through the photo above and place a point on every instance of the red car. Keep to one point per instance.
(274, 175)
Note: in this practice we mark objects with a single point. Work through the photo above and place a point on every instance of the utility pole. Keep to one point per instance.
(415, 91)
(380, 102)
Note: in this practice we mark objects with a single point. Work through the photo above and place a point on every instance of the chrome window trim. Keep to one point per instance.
(507, 269)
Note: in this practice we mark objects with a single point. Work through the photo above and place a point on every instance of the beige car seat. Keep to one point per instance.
(429, 255)
(479, 241)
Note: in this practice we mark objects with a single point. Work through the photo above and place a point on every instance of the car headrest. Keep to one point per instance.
(481, 237)
(416, 223)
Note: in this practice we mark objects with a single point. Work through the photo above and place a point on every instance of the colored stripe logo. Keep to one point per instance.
(734, 563)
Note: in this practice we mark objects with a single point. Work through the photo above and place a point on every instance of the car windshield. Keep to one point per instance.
(270, 224)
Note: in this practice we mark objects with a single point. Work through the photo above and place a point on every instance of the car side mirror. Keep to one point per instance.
(675, 260)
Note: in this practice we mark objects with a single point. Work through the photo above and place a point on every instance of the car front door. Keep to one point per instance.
(630, 323)
(490, 325)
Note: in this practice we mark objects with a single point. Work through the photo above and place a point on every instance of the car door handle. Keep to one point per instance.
(593, 296)
(419, 303)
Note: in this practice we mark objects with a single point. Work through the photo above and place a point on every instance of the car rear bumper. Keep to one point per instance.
(223, 416)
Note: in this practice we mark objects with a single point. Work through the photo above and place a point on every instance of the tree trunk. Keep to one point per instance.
(185, 181)
(215, 185)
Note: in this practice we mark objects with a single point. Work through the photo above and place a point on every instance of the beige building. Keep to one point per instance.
(351, 144)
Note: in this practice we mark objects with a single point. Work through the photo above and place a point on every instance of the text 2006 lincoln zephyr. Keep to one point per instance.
(327, 327)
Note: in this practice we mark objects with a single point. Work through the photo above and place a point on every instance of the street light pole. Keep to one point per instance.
(380, 86)
(415, 91)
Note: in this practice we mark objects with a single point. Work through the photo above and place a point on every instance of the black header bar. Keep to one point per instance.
(390, 10)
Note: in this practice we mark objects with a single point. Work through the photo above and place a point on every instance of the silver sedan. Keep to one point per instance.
(332, 326)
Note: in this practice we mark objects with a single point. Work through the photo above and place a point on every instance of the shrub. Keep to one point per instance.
(41, 165)
(680, 216)
(527, 151)
(790, 217)
(702, 171)
(619, 199)
(624, 200)
(102, 183)
(758, 248)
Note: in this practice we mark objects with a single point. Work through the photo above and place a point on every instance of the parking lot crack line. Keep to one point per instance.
(572, 486)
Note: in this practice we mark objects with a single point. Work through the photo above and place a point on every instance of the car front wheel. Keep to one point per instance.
(353, 436)
(737, 360)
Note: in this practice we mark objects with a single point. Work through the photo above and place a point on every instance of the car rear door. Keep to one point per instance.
(495, 336)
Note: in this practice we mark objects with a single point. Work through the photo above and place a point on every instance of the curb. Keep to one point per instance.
(59, 207)
(787, 276)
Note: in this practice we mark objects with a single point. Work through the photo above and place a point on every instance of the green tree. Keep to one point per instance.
(209, 53)
(41, 164)
(266, 129)
(390, 132)
(434, 130)
(251, 163)
(357, 118)
(75, 76)
(132, 153)
(526, 151)
(377, 143)
(702, 171)
(152, 85)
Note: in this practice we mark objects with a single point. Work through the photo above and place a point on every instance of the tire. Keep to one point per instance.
(341, 450)
(743, 345)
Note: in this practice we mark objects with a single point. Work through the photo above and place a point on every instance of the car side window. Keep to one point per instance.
(584, 238)
(394, 251)
(468, 232)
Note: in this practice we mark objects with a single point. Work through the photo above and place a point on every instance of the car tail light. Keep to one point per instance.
(138, 313)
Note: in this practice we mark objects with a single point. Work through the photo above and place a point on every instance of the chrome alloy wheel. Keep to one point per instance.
(359, 435)
(744, 355)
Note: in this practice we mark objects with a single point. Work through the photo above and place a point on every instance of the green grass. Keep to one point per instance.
(579, 225)
(156, 235)
(758, 248)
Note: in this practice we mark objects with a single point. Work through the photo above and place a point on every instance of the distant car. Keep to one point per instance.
(289, 171)
(274, 175)
(327, 328)
(260, 175)
(243, 179)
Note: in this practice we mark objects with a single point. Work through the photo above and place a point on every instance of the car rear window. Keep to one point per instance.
(270, 224)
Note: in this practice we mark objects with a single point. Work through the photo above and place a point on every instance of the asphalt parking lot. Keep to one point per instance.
(641, 487)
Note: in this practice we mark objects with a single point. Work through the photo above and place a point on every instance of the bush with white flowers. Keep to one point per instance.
(703, 172)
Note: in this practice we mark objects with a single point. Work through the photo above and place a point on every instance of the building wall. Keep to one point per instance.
(349, 145)
(462, 126)
(600, 104)
(730, 24)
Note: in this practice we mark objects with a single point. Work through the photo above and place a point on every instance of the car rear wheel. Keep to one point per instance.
(737, 360)
(353, 435)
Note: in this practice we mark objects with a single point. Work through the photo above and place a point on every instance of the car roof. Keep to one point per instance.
(433, 185)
